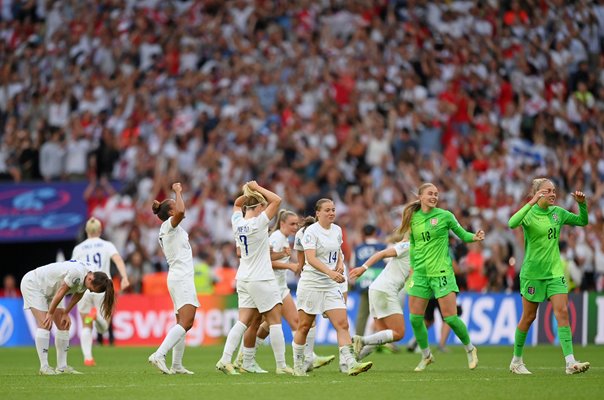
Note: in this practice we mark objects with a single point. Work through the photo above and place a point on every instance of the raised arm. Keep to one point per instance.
(517, 218)
(375, 257)
(462, 233)
(238, 203)
(274, 201)
(179, 207)
(581, 219)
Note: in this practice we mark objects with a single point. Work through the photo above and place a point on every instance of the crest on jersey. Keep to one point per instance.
(555, 217)
(531, 290)
(76, 282)
(434, 221)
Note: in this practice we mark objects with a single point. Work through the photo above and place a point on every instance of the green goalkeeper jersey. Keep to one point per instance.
(430, 241)
(541, 238)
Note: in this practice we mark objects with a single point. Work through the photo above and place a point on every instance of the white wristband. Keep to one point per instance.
(365, 267)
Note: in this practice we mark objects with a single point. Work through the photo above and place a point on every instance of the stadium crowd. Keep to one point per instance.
(358, 101)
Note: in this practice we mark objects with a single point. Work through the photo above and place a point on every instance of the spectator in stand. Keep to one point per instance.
(522, 82)
(9, 287)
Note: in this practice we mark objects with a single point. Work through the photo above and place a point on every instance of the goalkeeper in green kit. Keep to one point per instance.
(432, 269)
(542, 273)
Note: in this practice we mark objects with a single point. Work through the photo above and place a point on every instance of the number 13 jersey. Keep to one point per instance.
(430, 241)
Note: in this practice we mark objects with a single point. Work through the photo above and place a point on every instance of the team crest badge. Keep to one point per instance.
(555, 217)
(531, 290)
(76, 282)
(434, 221)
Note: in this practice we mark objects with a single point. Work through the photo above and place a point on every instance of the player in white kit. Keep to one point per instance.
(384, 301)
(319, 291)
(43, 291)
(99, 253)
(286, 226)
(257, 289)
(174, 241)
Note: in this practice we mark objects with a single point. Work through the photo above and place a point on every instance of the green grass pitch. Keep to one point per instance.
(123, 373)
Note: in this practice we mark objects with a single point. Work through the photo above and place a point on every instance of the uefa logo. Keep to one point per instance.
(6, 325)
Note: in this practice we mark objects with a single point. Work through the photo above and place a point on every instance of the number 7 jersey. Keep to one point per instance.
(97, 252)
(252, 237)
(430, 241)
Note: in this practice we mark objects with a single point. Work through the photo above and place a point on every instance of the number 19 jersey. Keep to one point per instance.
(97, 252)
(252, 237)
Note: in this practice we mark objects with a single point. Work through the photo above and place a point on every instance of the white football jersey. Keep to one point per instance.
(392, 278)
(97, 252)
(298, 246)
(50, 277)
(278, 241)
(252, 236)
(327, 244)
(177, 249)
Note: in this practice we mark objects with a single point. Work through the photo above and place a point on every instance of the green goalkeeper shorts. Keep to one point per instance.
(539, 290)
(426, 287)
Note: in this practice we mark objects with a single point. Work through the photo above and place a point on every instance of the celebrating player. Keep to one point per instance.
(542, 272)
(433, 273)
(257, 288)
(174, 241)
(319, 291)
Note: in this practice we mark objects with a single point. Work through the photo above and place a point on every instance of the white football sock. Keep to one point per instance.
(278, 344)
(178, 351)
(233, 339)
(298, 355)
(346, 357)
(42, 344)
(380, 337)
(174, 335)
(366, 350)
(248, 357)
(310, 344)
(62, 346)
(86, 342)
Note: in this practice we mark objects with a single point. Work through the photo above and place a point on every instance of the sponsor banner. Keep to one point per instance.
(595, 318)
(547, 326)
(33, 212)
(18, 326)
(145, 320)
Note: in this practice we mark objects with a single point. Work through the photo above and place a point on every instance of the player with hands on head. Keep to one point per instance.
(257, 289)
(174, 242)
(43, 291)
(542, 272)
(433, 274)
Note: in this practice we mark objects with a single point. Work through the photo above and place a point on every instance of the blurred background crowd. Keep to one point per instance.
(359, 101)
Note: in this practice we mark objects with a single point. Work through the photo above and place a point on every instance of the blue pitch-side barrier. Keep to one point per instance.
(491, 320)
